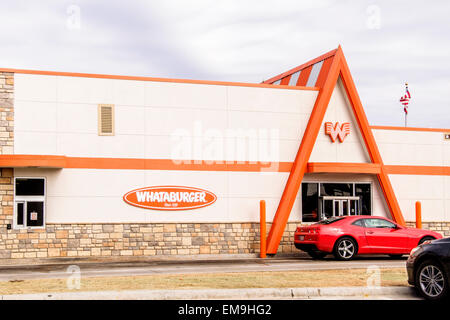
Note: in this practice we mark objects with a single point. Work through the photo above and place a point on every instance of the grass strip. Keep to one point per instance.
(267, 279)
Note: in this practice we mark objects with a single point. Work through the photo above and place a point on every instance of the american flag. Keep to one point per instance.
(405, 100)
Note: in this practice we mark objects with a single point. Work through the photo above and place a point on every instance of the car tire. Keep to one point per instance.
(317, 254)
(436, 290)
(345, 249)
(425, 239)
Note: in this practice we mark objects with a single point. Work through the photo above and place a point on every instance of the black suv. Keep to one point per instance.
(428, 268)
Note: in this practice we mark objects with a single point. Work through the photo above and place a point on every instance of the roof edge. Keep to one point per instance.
(154, 79)
(410, 129)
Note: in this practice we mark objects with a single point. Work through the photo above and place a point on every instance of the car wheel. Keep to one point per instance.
(317, 254)
(395, 256)
(431, 280)
(425, 239)
(345, 248)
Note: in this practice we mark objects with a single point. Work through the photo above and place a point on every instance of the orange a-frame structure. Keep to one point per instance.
(332, 66)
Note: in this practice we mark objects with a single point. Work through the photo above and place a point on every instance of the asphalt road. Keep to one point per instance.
(8, 273)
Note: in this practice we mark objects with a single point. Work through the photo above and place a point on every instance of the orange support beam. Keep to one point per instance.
(301, 160)
(418, 215)
(262, 229)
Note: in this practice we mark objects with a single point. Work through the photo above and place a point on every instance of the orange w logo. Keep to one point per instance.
(336, 131)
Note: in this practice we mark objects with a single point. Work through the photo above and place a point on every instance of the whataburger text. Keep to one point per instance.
(164, 196)
(170, 198)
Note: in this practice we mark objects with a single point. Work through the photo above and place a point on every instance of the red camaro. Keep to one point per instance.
(348, 236)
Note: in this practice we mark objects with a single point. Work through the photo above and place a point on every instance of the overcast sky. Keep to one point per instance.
(385, 43)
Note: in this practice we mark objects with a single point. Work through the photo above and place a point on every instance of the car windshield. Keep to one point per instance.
(330, 220)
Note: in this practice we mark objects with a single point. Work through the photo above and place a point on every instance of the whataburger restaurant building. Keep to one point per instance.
(118, 166)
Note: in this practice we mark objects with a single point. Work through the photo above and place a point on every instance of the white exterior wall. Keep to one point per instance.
(353, 148)
(432, 191)
(418, 148)
(90, 195)
(57, 115)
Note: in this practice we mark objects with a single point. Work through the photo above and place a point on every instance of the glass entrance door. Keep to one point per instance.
(339, 206)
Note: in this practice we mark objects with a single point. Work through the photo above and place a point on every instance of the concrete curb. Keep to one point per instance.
(218, 294)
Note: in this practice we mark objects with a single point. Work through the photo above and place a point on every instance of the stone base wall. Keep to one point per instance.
(96, 240)
(441, 227)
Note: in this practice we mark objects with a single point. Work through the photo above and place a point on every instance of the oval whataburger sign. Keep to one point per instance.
(170, 198)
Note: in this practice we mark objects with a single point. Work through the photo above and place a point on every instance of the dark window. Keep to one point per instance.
(359, 223)
(19, 220)
(29, 202)
(378, 223)
(29, 187)
(327, 208)
(336, 189)
(310, 202)
(35, 213)
(363, 191)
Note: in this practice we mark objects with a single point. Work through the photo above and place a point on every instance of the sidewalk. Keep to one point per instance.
(224, 294)
(169, 259)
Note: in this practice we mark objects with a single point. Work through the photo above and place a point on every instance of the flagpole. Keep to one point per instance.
(405, 100)
(406, 110)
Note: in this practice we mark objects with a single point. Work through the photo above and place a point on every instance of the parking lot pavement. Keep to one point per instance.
(197, 266)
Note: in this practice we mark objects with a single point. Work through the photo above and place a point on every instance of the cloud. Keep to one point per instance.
(386, 43)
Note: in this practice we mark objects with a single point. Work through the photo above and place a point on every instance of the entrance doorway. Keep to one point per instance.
(339, 206)
(321, 200)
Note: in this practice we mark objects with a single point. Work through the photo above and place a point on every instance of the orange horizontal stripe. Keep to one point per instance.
(410, 129)
(330, 167)
(168, 164)
(51, 161)
(119, 77)
(417, 170)
(15, 161)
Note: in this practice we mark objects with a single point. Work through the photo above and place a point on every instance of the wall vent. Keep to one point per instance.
(105, 119)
